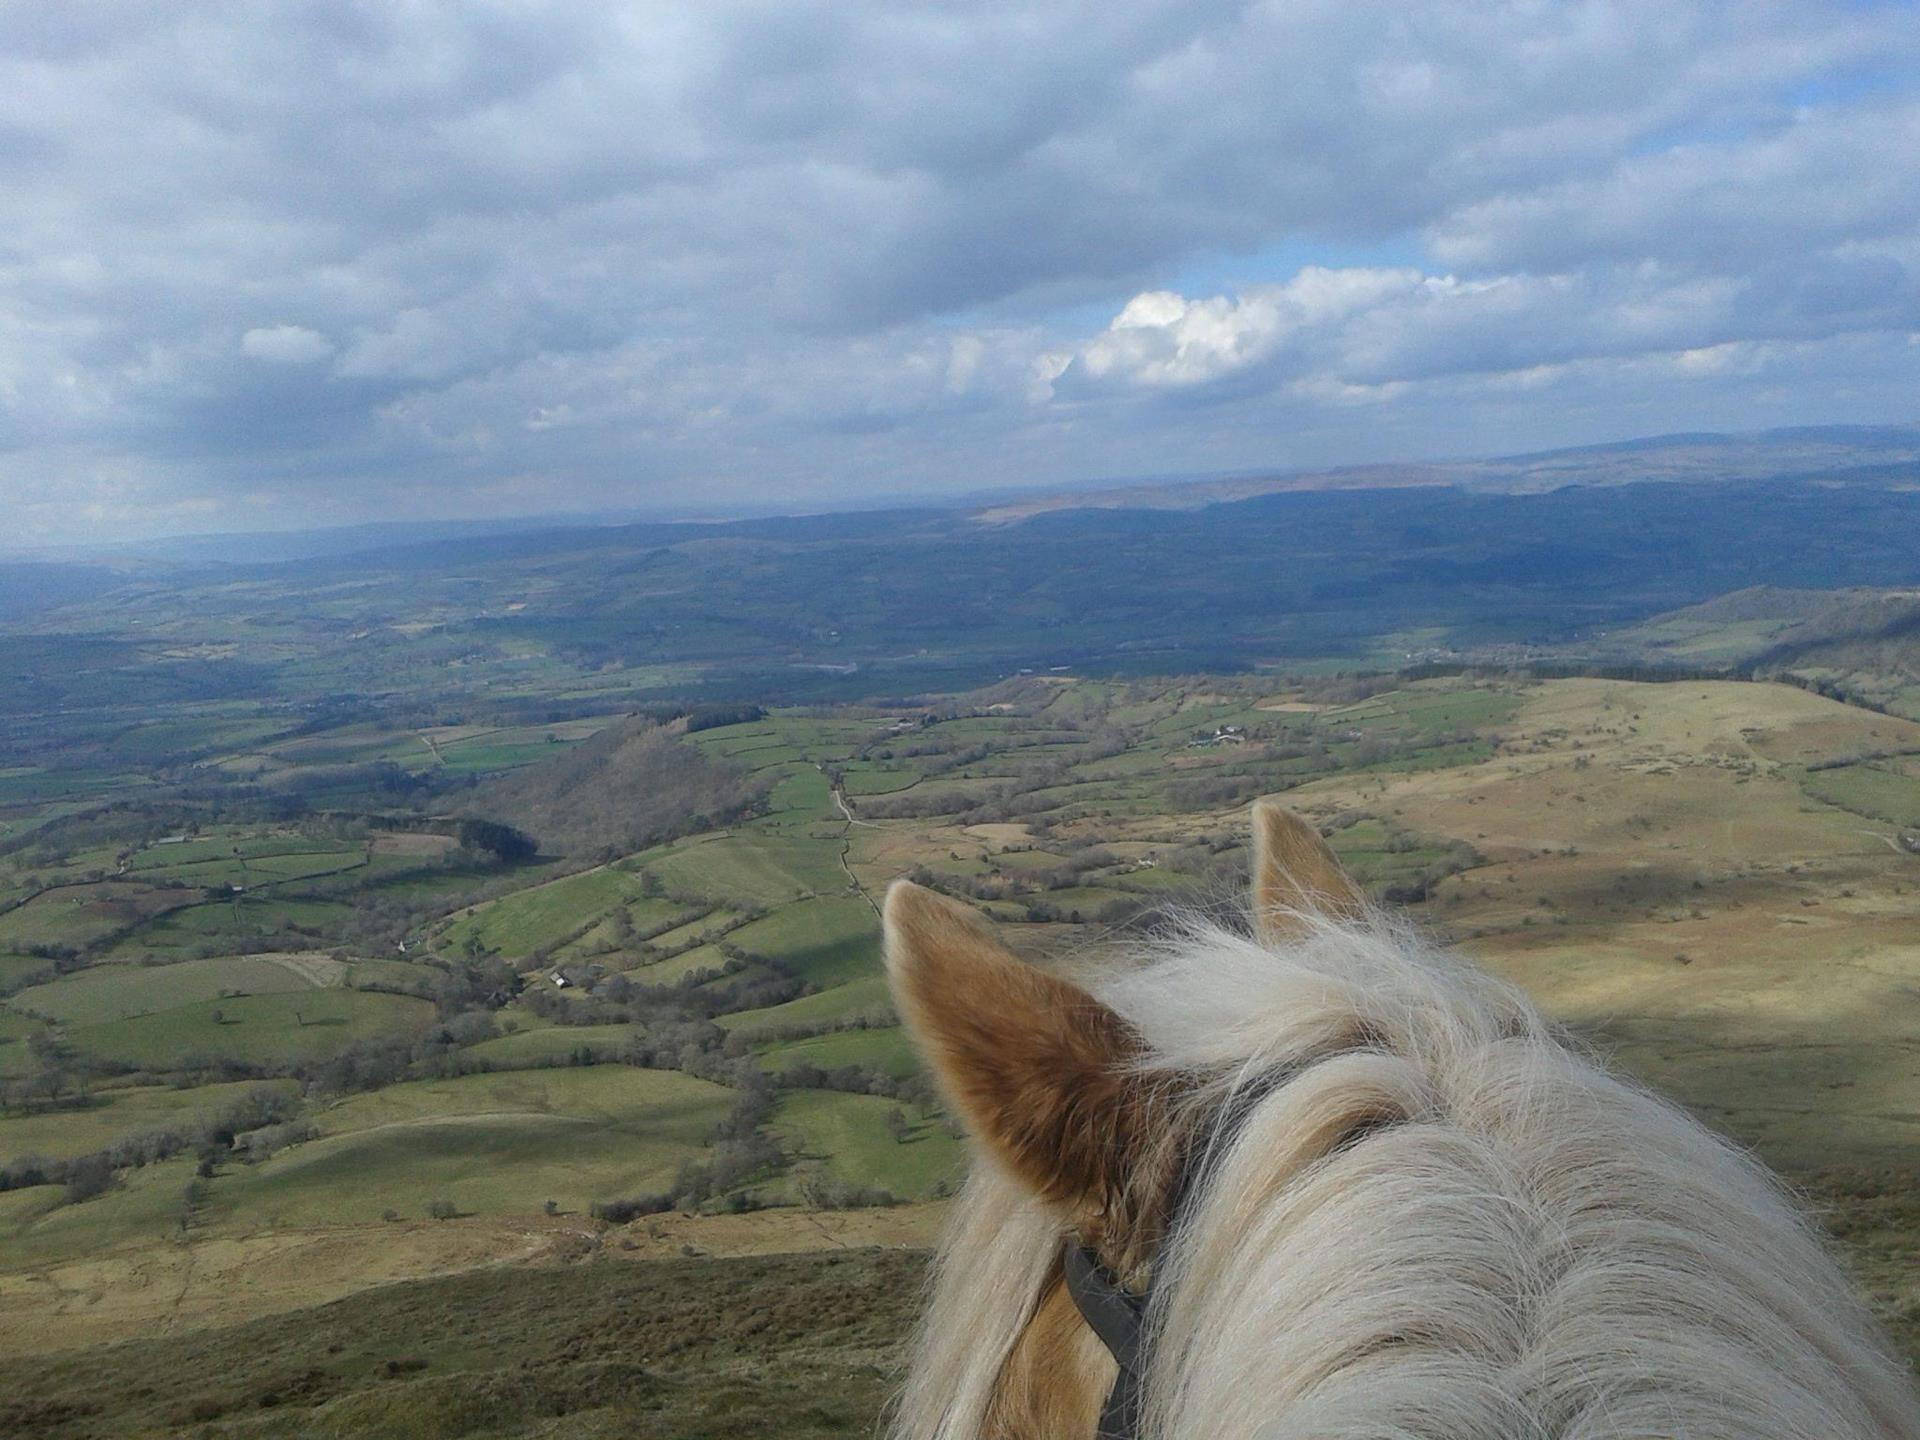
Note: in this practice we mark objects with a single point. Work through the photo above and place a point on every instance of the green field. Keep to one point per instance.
(702, 928)
(261, 871)
(827, 941)
(557, 1042)
(142, 1208)
(858, 997)
(804, 793)
(490, 1144)
(20, 968)
(110, 1115)
(757, 868)
(676, 968)
(644, 917)
(296, 1025)
(86, 914)
(847, 1136)
(546, 914)
(119, 992)
(1879, 791)
(210, 924)
(886, 1049)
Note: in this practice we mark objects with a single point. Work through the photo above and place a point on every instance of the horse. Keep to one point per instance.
(1317, 1179)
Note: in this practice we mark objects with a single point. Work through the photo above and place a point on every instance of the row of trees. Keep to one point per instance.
(211, 1136)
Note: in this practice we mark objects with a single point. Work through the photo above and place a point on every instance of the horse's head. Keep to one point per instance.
(1083, 1137)
(1362, 1191)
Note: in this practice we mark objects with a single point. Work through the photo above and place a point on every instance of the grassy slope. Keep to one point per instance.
(302, 1023)
(887, 1050)
(143, 1208)
(795, 1346)
(523, 921)
(860, 997)
(119, 992)
(112, 1114)
(554, 1042)
(847, 1135)
(828, 941)
(487, 1143)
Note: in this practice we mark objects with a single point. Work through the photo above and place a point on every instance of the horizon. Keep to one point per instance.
(278, 270)
(79, 551)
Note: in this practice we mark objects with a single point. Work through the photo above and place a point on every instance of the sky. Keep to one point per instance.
(268, 264)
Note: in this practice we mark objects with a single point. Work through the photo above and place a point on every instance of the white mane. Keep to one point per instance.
(1532, 1248)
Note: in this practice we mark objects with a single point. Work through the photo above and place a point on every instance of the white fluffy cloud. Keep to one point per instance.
(651, 254)
(1339, 330)
(1160, 339)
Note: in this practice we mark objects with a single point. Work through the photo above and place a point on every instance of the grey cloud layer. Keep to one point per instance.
(281, 261)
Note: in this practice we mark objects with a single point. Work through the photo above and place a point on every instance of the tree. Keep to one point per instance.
(504, 843)
(897, 1125)
(442, 1209)
(89, 1176)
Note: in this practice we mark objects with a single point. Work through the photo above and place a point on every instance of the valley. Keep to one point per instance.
(490, 918)
(287, 1059)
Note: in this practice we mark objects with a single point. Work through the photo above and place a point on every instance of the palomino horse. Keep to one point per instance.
(1325, 1183)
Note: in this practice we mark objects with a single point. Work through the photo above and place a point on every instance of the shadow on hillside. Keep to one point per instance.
(1819, 1096)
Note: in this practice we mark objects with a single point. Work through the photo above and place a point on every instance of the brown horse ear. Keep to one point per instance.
(1039, 1070)
(1296, 875)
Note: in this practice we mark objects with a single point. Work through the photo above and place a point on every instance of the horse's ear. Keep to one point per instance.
(1038, 1070)
(1296, 875)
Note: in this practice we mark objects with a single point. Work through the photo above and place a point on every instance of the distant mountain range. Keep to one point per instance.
(1883, 456)
(1571, 555)
(1880, 455)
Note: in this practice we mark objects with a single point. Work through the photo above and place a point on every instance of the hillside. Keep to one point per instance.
(630, 785)
(1862, 643)
(231, 1095)
(800, 1346)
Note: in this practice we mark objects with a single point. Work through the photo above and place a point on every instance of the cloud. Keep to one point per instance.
(1346, 331)
(1823, 178)
(785, 255)
(286, 345)
(1161, 339)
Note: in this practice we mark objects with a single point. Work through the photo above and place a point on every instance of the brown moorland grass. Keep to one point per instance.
(800, 1346)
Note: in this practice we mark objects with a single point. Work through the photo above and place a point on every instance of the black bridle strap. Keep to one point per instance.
(1114, 1314)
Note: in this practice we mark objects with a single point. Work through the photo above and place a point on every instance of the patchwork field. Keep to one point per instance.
(449, 1060)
